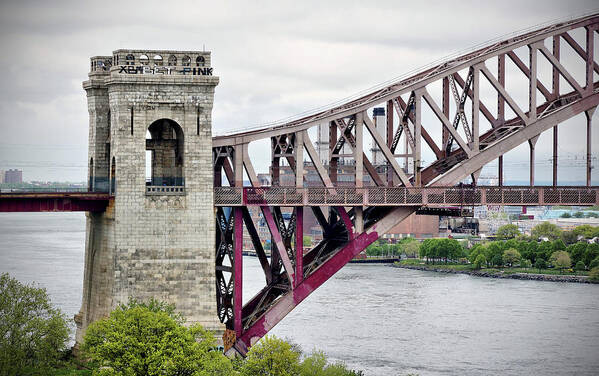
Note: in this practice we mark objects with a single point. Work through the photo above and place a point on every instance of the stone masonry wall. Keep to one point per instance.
(155, 246)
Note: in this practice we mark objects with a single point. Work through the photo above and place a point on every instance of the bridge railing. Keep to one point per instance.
(400, 196)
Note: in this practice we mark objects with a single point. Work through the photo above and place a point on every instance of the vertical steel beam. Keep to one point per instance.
(238, 182)
(332, 160)
(590, 61)
(554, 156)
(532, 143)
(444, 131)
(475, 109)
(555, 95)
(274, 166)
(532, 82)
(389, 139)
(299, 159)
(359, 158)
(359, 149)
(417, 137)
(238, 271)
(555, 72)
(299, 245)
(500, 108)
(589, 114)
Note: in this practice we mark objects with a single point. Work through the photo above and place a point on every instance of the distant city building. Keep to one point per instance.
(13, 176)
(2, 176)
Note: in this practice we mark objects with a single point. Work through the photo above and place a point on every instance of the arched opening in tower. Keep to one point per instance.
(164, 154)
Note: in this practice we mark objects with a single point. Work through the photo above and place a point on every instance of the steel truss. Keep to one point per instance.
(351, 222)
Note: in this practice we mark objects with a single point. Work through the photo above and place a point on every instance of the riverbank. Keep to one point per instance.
(495, 273)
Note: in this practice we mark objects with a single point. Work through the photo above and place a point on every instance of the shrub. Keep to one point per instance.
(32, 332)
(150, 339)
(594, 274)
(594, 263)
(271, 356)
(525, 263)
(560, 260)
(579, 266)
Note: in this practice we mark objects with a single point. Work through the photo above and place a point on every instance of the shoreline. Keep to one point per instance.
(482, 273)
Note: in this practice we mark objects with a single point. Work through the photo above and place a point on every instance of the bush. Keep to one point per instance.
(579, 266)
(150, 339)
(32, 332)
(525, 263)
(271, 356)
(594, 274)
(594, 263)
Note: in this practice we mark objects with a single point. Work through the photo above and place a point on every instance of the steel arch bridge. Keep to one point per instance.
(352, 217)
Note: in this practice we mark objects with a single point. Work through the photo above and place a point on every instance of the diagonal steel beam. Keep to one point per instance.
(427, 137)
(526, 133)
(508, 99)
(445, 121)
(524, 69)
(388, 154)
(579, 50)
(485, 111)
(561, 69)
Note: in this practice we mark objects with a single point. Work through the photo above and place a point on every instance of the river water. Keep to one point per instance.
(379, 319)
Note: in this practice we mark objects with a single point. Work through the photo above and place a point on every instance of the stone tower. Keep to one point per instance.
(150, 146)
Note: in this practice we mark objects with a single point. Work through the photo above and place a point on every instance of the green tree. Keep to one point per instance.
(32, 332)
(558, 245)
(546, 230)
(411, 248)
(594, 274)
(569, 237)
(508, 231)
(587, 231)
(316, 365)
(578, 215)
(271, 356)
(480, 261)
(579, 266)
(544, 250)
(478, 249)
(560, 260)
(511, 256)
(594, 263)
(497, 260)
(566, 215)
(150, 339)
(577, 251)
(540, 264)
(307, 241)
(590, 253)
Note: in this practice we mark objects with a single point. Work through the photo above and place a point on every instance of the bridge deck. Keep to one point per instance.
(400, 196)
(39, 201)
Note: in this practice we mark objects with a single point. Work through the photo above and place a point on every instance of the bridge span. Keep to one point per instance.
(158, 238)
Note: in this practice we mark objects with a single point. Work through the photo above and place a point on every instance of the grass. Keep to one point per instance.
(506, 270)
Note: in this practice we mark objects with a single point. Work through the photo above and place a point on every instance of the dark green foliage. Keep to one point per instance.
(441, 250)
(32, 332)
(480, 261)
(569, 237)
(590, 253)
(579, 266)
(594, 263)
(508, 231)
(546, 230)
(149, 339)
(558, 245)
(578, 215)
(541, 264)
(273, 356)
(577, 251)
(566, 215)
(497, 260)
(594, 274)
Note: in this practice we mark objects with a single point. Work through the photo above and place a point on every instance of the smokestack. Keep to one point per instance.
(380, 123)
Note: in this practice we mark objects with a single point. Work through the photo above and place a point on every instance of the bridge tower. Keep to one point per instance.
(150, 147)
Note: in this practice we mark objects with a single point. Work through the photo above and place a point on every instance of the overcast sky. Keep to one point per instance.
(274, 59)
